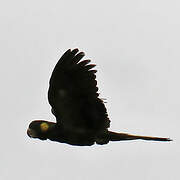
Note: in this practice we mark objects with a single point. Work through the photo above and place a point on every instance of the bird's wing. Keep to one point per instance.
(73, 94)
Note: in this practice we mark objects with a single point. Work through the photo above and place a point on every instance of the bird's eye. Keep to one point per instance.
(44, 126)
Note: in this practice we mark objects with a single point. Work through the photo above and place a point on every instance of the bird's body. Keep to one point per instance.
(80, 114)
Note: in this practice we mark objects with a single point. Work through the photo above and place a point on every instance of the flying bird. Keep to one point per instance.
(81, 116)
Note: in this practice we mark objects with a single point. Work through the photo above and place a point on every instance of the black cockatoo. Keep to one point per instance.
(81, 116)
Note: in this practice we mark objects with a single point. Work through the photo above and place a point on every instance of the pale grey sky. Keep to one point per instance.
(136, 46)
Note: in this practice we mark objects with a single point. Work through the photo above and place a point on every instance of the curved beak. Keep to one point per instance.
(31, 133)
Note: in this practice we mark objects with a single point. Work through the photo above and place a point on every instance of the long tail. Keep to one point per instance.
(123, 137)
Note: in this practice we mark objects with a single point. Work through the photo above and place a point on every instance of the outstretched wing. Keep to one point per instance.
(73, 94)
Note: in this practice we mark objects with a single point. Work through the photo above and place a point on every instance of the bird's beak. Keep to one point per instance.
(31, 133)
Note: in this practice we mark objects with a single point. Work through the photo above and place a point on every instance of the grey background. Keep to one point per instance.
(135, 45)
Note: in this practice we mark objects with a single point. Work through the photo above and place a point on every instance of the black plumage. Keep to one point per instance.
(81, 116)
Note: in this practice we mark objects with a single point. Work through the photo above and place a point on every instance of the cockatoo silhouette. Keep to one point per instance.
(81, 116)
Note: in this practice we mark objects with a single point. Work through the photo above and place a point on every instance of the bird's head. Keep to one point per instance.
(40, 129)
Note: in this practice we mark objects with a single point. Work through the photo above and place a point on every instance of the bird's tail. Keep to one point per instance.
(122, 137)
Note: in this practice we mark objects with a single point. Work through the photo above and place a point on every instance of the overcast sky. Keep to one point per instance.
(136, 46)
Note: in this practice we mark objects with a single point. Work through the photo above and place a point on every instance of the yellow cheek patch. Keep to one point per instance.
(44, 126)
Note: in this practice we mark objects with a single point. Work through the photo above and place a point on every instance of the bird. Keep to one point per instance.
(81, 115)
